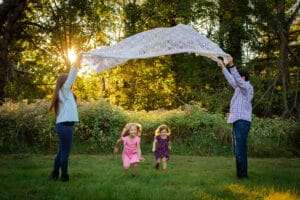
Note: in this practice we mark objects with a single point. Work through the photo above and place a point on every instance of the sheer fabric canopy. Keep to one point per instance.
(153, 43)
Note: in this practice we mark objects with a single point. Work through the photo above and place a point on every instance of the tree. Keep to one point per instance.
(233, 30)
(11, 15)
(49, 29)
(274, 20)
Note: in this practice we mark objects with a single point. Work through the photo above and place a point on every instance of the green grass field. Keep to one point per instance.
(102, 177)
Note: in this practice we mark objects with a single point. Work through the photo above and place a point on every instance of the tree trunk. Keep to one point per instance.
(283, 32)
(10, 12)
(284, 73)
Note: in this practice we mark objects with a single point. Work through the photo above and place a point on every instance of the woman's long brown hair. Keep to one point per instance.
(55, 99)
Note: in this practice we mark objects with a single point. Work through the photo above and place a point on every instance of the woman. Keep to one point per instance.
(65, 108)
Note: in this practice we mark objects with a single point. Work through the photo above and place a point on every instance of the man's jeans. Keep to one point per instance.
(240, 133)
(65, 134)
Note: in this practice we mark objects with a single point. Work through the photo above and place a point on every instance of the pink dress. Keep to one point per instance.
(130, 151)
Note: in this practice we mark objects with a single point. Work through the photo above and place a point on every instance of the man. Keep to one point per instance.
(240, 112)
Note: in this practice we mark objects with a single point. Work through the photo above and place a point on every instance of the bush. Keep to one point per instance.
(272, 137)
(30, 128)
(100, 126)
(25, 126)
(194, 131)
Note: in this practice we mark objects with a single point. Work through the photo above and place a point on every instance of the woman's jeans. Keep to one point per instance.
(240, 134)
(65, 133)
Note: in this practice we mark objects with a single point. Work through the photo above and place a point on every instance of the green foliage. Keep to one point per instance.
(50, 30)
(26, 126)
(268, 137)
(249, 31)
(139, 85)
(29, 127)
(192, 127)
(100, 126)
(234, 31)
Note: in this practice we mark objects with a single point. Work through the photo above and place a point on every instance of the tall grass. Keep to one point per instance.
(30, 128)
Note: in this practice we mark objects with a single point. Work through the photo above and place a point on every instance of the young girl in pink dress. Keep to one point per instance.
(131, 146)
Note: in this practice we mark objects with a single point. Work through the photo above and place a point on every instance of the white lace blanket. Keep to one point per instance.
(153, 43)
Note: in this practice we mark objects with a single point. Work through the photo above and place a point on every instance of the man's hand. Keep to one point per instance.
(221, 64)
(228, 61)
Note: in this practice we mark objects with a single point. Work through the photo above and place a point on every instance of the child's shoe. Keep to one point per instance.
(157, 166)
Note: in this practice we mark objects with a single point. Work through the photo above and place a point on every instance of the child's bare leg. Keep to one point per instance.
(135, 169)
(142, 158)
(157, 163)
(164, 163)
(126, 169)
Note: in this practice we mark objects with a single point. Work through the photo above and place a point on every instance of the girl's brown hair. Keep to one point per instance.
(55, 99)
(162, 127)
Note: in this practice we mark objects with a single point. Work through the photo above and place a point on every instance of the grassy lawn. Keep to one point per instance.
(102, 177)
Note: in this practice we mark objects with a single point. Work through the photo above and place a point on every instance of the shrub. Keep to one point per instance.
(30, 128)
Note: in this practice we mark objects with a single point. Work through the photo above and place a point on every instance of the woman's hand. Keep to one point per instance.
(78, 60)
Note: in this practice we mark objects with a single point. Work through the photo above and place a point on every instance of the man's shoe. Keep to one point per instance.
(54, 176)
(243, 177)
(64, 178)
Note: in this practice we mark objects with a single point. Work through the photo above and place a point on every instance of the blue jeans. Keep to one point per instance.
(65, 134)
(240, 134)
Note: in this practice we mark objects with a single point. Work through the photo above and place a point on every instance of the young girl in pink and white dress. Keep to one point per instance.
(132, 154)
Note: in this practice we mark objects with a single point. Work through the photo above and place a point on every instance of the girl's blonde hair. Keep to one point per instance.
(162, 127)
(125, 131)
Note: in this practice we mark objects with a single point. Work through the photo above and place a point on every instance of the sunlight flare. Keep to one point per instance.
(72, 55)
